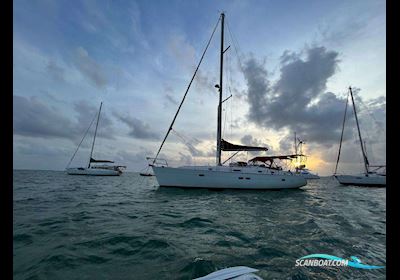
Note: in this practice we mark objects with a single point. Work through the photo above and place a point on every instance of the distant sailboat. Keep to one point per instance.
(95, 169)
(300, 168)
(235, 176)
(369, 177)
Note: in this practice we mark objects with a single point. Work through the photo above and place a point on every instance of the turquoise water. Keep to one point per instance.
(77, 227)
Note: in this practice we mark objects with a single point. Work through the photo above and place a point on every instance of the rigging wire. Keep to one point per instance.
(186, 142)
(234, 46)
(379, 127)
(341, 136)
(187, 90)
(87, 130)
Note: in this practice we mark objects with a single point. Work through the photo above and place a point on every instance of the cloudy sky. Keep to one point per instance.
(288, 69)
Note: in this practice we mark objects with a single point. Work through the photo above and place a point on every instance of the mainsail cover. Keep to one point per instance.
(100, 160)
(271, 158)
(226, 146)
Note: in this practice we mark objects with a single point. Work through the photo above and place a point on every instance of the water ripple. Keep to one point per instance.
(72, 227)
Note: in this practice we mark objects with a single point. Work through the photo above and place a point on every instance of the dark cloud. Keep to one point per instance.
(33, 118)
(251, 141)
(296, 101)
(89, 68)
(139, 129)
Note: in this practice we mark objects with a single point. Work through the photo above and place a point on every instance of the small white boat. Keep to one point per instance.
(94, 168)
(232, 273)
(306, 174)
(370, 178)
(220, 176)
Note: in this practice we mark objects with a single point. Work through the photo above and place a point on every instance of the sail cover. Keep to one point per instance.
(271, 158)
(100, 160)
(226, 146)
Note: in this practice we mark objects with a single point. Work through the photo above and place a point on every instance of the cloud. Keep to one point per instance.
(86, 113)
(249, 140)
(169, 96)
(89, 68)
(139, 129)
(33, 118)
(185, 55)
(297, 100)
(171, 99)
(135, 16)
(55, 71)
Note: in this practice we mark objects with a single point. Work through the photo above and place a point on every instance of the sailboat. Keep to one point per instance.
(94, 168)
(234, 176)
(300, 168)
(371, 177)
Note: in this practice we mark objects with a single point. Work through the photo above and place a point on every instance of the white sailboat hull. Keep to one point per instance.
(362, 180)
(224, 178)
(92, 171)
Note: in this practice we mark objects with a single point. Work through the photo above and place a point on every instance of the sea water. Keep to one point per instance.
(82, 227)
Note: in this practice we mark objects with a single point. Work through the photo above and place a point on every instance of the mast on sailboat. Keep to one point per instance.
(94, 138)
(359, 133)
(219, 136)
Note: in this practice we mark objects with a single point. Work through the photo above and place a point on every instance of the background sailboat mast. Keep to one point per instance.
(95, 132)
(220, 93)
(359, 133)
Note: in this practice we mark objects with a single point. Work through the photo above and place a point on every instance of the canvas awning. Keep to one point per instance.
(226, 146)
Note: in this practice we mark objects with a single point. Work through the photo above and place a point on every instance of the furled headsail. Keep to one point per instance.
(226, 146)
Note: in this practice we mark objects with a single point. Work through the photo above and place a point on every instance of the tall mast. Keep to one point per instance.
(295, 150)
(218, 159)
(359, 133)
(341, 136)
(95, 132)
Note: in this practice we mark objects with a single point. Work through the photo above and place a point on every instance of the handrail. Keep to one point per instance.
(157, 161)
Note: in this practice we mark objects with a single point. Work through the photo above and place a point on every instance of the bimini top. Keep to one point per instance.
(226, 146)
(271, 158)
